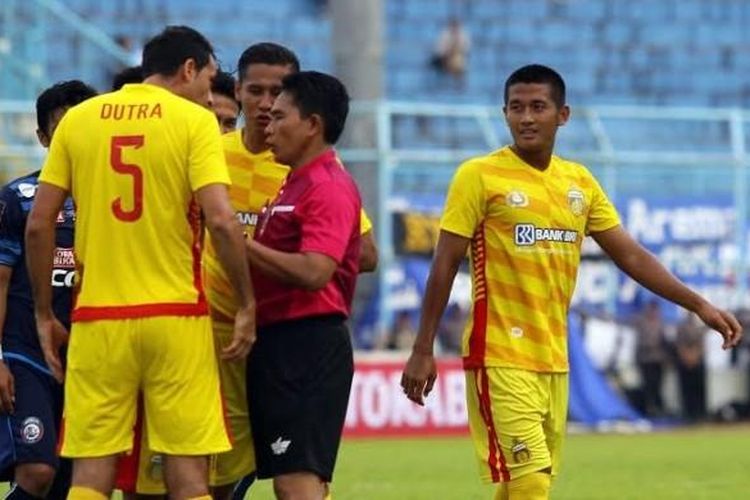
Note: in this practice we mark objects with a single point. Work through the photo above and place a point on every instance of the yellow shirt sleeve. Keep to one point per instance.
(57, 168)
(207, 162)
(365, 224)
(465, 205)
(602, 214)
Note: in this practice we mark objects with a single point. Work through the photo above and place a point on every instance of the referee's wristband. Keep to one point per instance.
(1, 354)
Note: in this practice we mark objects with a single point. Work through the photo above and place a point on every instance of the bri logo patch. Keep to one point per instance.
(529, 234)
(32, 430)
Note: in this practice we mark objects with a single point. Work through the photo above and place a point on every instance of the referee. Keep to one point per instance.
(304, 259)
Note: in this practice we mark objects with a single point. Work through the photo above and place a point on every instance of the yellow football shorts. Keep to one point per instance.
(170, 359)
(231, 466)
(225, 468)
(517, 420)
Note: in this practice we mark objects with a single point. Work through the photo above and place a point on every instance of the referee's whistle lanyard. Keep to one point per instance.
(267, 210)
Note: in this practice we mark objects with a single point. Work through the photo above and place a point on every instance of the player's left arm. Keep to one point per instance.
(308, 270)
(327, 222)
(368, 253)
(644, 267)
(40, 247)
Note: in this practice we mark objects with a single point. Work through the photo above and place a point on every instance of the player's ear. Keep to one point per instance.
(43, 139)
(189, 69)
(316, 125)
(563, 115)
(237, 88)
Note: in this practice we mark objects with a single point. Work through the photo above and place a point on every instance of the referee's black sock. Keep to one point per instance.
(18, 493)
(240, 489)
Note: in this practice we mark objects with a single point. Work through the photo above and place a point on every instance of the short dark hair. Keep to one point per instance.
(266, 53)
(133, 74)
(322, 95)
(61, 95)
(223, 84)
(538, 73)
(168, 50)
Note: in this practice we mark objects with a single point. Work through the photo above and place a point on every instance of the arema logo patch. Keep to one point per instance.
(32, 430)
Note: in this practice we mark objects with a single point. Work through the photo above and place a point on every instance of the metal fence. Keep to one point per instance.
(406, 149)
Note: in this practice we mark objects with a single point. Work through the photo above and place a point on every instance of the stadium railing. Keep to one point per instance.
(411, 149)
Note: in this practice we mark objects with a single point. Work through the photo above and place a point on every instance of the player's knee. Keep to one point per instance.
(298, 487)
(36, 479)
(534, 486)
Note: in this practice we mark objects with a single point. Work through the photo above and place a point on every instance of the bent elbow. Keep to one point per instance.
(222, 225)
(368, 262)
(313, 283)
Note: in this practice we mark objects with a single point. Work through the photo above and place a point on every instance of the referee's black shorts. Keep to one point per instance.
(299, 375)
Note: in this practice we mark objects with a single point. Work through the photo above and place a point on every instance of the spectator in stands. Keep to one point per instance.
(404, 332)
(133, 49)
(118, 69)
(651, 354)
(691, 367)
(451, 51)
(451, 329)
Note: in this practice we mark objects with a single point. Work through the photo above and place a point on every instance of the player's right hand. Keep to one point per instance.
(7, 390)
(52, 336)
(723, 322)
(244, 336)
(419, 376)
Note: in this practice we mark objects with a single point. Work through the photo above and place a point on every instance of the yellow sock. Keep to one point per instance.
(84, 493)
(534, 486)
(502, 492)
(202, 497)
(328, 497)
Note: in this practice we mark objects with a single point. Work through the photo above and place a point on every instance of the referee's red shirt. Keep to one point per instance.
(316, 210)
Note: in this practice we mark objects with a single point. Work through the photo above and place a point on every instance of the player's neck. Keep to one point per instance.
(168, 83)
(310, 153)
(540, 160)
(254, 142)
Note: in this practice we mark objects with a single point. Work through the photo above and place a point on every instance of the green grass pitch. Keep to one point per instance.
(700, 464)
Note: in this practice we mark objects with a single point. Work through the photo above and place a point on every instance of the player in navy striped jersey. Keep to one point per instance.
(30, 398)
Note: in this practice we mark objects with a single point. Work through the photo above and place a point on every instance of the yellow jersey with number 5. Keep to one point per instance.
(132, 160)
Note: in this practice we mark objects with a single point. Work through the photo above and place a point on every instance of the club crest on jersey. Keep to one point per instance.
(32, 430)
(517, 199)
(576, 201)
(27, 190)
(520, 451)
(156, 468)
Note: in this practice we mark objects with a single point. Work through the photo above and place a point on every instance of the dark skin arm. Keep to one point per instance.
(227, 237)
(368, 256)
(420, 371)
(310, 270)
(643, 267)
(7, 384)
(40, 246)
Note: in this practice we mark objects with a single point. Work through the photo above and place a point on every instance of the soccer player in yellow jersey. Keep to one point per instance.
(141, 164)
(524, 212)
